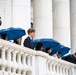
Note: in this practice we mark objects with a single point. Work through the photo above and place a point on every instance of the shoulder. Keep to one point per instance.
(67, 56)
(27, 39)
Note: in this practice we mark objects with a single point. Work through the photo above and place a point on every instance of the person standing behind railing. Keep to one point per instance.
(28, 41)
(48, 50)
(70, 58)
(58, 55)
(39, 46)
(18, 41)
(4, 37)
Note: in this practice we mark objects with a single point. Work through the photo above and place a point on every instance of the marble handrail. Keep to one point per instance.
(19, 60)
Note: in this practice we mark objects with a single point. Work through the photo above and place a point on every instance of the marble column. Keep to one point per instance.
(42, 18)
(5, 13)
(73, 25)
(21, 14)
(61, 21)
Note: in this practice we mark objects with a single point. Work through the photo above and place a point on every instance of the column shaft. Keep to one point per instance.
(73, 25)
(42, 16)
(5, 13)
(61, 21)
(21, 13)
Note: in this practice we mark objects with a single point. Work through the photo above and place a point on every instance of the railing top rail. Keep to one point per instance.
(55, 60)
(16, 47)
(33, 52)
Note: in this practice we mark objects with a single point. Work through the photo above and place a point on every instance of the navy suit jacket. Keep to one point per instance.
(70, 58)
(28, 43)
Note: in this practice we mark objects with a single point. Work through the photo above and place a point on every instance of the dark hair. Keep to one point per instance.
(59, 52)
(30, 30)
(46, 49)
(39, 45)
(3, 36)
(15, 41)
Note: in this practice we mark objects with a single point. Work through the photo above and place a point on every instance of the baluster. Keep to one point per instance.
(67, 70)
(54, 65)
(3, 59)
(29, 72)
(72, 71)
(48, 67)
(0, 54)
(61, 72)
(15, 64)
(9, 62)
(20, 66)
(58, 69)
(51, 68)
(25, 68)
(33, 65)
(28, 63)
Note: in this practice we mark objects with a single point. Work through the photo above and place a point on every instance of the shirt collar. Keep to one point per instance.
(30, 37)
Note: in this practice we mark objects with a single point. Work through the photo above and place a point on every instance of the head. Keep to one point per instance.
(75, 55)
(15, 41)
(4, 36)
(58, 54)
(31, 32)
(39, 46)
(18, 41)
(48, 50)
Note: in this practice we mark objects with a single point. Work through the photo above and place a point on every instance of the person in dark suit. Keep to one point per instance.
(28, 41)
(70, 58)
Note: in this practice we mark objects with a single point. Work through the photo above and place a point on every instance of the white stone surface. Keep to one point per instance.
(40, 66)
(38, 63)
(5, 13)
(61, 21)
(42, 18)
(21, 13)
(73, 25)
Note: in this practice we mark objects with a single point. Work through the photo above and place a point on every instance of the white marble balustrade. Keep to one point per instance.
(18, 60)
